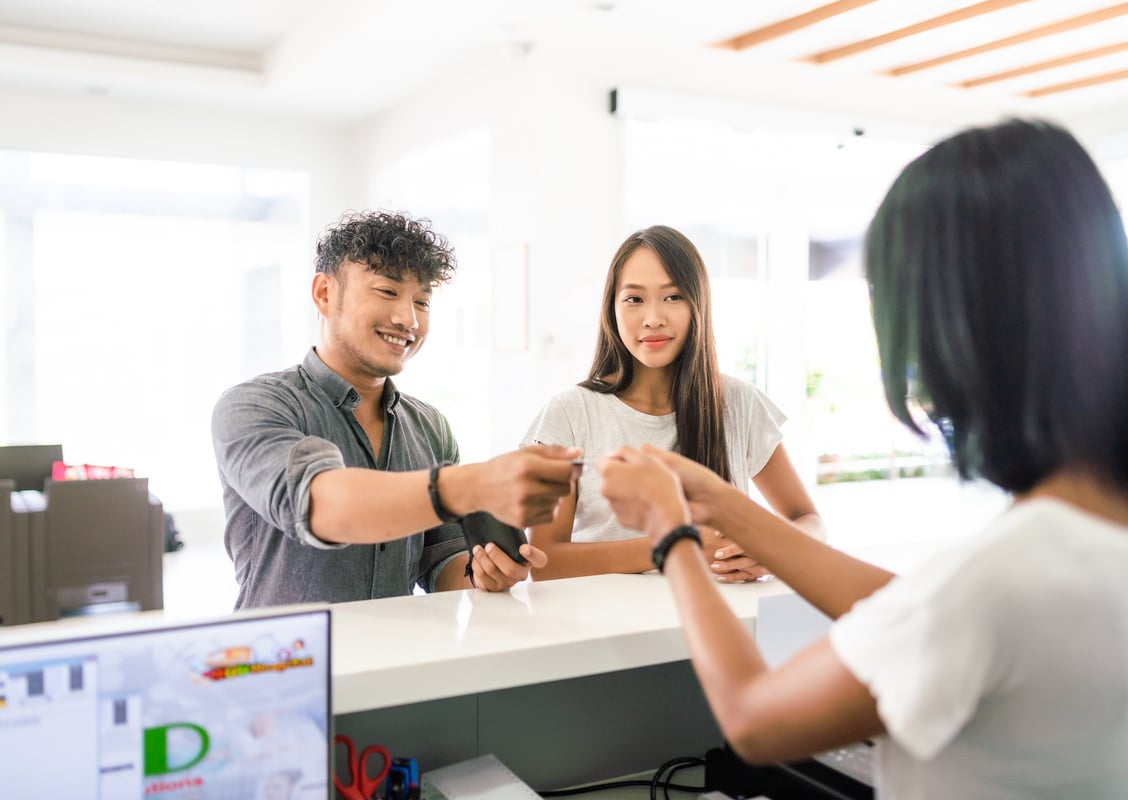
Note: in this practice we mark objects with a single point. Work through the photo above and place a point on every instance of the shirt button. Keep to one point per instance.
(382, 546)
(352, 398)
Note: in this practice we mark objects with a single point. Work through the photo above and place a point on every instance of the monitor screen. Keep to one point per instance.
(235, 708)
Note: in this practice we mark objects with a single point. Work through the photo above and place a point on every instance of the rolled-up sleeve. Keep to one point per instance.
(267, 459)
(441, 545)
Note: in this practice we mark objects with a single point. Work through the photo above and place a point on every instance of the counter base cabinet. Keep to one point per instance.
(554, 734)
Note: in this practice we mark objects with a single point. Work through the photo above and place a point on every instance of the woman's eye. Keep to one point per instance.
(423, 304)
(675, 297)
(632, 299)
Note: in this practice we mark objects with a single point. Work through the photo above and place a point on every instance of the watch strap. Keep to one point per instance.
(436, 501)
(662, 549)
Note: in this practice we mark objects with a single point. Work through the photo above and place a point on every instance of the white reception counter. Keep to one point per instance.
(412, 649)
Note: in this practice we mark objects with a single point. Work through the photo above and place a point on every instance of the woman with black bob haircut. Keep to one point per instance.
(655, 380)
(998, 268)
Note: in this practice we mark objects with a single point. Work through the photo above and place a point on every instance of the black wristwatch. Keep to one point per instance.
(662, 549)
(433, 492)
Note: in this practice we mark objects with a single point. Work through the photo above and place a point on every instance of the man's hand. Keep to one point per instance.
(521, 488)
(494, 571)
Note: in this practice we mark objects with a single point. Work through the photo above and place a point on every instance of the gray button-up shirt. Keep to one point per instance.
(272, 435)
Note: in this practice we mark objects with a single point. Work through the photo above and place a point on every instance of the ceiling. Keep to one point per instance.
(350, 59)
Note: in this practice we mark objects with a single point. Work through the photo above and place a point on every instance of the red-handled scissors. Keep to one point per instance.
(361, 785)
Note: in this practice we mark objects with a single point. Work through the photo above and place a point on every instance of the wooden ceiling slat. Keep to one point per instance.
(911, 30)
(1061, 26)
(1064, 61)
(1081, 83)
(790, 24)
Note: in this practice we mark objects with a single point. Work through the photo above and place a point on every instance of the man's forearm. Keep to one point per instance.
(365, 506)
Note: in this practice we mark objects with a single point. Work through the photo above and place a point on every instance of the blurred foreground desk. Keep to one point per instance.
(567, 681)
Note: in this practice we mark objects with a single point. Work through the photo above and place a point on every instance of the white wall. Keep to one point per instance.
(554, 177)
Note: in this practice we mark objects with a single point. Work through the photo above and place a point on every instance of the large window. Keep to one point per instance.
(135, 292)
(778, 216)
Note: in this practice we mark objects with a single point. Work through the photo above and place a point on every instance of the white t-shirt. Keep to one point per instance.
(601, 423)
(1001, 669)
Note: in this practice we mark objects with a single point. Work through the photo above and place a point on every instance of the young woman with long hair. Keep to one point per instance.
(655, 380)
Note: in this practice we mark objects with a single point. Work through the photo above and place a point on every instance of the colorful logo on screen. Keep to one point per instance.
(239, 662)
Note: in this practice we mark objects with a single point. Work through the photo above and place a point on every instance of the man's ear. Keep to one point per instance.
(320, 291)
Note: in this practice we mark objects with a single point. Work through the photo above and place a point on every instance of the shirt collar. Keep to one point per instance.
(340, 391)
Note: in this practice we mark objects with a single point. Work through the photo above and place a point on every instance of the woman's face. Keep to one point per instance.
(652, 314)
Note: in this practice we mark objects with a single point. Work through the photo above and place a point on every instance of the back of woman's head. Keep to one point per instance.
(998, 269)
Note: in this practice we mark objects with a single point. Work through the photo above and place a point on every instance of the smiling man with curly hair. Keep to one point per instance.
(339, 487)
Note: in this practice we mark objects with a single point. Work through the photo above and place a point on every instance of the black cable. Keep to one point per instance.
(595, 787)
(673, 766)
(669, 783)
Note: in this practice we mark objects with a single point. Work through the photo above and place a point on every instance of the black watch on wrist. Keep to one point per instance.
(662, 549)
(433, 493)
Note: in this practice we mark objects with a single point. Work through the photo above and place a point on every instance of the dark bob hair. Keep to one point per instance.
(391, 244)
(998, 272)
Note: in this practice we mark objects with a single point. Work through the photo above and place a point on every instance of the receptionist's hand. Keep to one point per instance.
(494, 571)
(644, 493)
(702, 487)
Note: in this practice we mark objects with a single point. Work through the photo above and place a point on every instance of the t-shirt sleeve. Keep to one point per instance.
(922, 645)
(763, 421)
(553, 425)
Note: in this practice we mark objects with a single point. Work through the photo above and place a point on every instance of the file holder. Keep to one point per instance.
(23, 573)
(104, 547)
(7, 561)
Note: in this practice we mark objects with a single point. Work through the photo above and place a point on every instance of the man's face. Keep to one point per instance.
(375, 323)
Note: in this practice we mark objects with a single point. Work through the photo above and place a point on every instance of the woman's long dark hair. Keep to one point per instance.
(697, 391)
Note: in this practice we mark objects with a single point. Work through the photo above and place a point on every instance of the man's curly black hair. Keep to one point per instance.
(391, 244)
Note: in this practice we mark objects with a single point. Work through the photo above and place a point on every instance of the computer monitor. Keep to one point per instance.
(238, 707)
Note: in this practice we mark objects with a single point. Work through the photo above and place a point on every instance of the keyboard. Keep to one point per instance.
(855, 760)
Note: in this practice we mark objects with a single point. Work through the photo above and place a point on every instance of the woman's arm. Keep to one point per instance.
(811, 704)
(827, 578)
(784, 491)
(781, 487)
(568, 559)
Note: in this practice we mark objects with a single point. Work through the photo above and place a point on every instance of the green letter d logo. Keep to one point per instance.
(156, 748)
